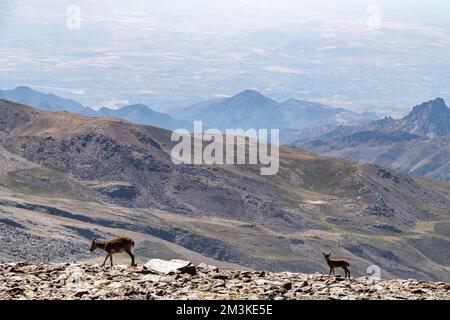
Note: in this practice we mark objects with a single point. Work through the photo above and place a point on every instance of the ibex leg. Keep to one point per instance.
(347, 272)
(131, 256)
(105, 260)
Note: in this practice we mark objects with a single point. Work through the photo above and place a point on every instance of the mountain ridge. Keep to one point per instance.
(142, 114)
(251, 109)
(430, 119)
(247, 109)
(138, 113)
(44, 101)
(418, 143)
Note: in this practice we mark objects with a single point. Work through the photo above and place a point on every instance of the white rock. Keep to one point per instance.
(166, 267)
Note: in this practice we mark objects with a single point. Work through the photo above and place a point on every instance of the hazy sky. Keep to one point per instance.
(358, 54)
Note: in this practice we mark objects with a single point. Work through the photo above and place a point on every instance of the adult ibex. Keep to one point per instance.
(114, 246)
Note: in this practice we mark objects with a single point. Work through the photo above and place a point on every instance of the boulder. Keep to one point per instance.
(170, 267)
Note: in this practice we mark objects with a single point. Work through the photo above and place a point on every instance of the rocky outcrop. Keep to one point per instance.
(83, 281)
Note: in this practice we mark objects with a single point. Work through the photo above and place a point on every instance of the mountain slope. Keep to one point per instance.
(304, 114)
(105, 176)
(419, 143)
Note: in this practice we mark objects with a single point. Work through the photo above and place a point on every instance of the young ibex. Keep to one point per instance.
(114, 246)
(337, 263)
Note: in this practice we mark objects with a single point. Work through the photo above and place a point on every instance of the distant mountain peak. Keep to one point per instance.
(23, 89)
(142, 114)
(429, 119)
(250, 93)
(433, 106)
(250, 98)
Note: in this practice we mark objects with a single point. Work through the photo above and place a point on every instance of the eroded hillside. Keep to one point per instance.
(70, 178)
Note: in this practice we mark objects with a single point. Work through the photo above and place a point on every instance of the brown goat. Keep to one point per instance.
(337, 263)
(114, 246)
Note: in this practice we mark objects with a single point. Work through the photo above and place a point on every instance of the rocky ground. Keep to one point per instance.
(159, 279)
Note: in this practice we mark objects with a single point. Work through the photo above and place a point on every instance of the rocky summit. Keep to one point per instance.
(159, 279)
